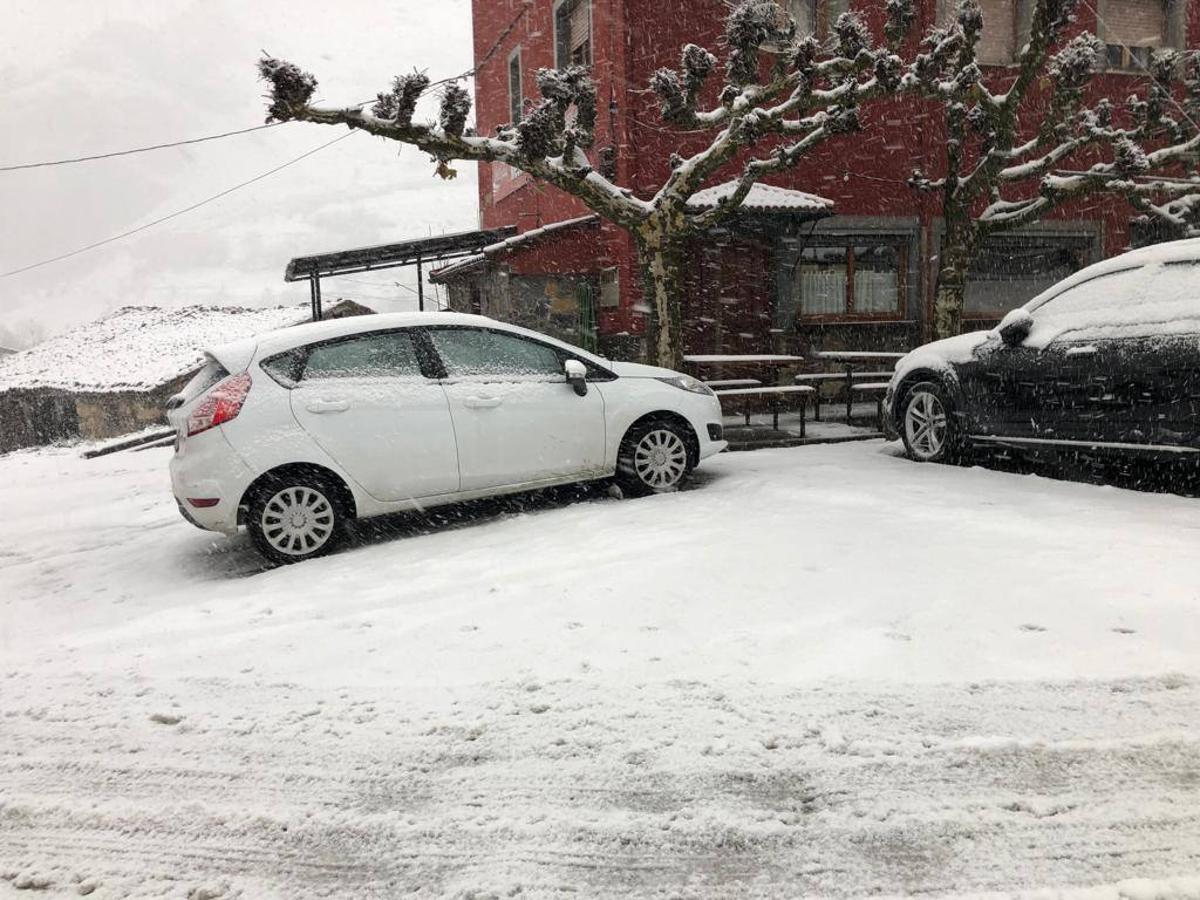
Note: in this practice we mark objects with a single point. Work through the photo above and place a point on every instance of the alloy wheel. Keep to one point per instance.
(660, 459)
(925, 425)
(297, 521)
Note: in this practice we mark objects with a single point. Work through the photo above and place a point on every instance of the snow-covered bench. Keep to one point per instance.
(733, 383)
(774, 397)
(876, 388)
(846, 378)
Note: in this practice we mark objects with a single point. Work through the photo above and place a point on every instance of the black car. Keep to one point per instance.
(1105, 362)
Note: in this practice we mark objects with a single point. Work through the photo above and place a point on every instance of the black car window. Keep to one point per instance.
(284, 368)
(384, 354)
(1089, 310)
(478, 352)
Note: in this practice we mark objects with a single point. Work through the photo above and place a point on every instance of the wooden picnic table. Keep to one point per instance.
(847, 358)
(748, 389)
(728, 359)
(859, 354)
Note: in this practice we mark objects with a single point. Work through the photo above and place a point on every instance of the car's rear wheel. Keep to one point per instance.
(294, 519)
(928, 428)
(654, 458)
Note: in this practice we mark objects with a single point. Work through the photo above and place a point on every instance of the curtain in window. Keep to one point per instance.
(573, 33)
(515, 99)
(876, 278)
(580, 41)
(803, 13)
(1135, 23)
(998, 40)
(822, 277)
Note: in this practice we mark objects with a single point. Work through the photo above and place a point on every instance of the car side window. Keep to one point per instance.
(386, 354)
(478, 352)
(1089, 310)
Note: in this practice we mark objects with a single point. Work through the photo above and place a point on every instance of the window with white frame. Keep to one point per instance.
(573, 33)
(516, 100)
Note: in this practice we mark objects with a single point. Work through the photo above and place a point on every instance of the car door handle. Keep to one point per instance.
(327, 406)
(482, 402)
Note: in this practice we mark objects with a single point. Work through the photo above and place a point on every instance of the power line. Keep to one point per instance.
(178, 212)
(79, 159)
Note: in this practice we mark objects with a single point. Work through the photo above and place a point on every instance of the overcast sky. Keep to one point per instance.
(80, 77)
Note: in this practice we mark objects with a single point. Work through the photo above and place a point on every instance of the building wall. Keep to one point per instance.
(42, 416)
(864, 174)
(31, 418)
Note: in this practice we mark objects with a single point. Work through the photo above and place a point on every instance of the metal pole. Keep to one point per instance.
(420, 286)
(314, 284)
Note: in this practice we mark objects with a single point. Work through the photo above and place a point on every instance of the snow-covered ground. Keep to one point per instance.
(822, 671)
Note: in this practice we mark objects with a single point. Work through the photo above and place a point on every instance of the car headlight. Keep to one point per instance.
(687, 383)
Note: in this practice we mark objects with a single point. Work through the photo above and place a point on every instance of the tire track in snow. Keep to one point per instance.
(683, 788)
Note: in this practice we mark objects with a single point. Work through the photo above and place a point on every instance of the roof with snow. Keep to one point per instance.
(138, 348)
(516, 242)
(535, 234)
(458, 267)
(763, 198)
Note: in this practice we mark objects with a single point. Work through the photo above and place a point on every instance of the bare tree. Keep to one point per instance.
(998, 175)
(782, 95)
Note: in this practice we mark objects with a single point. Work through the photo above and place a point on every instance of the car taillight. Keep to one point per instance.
(221, 404)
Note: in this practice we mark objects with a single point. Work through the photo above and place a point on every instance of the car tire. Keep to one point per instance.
(654, 458)
(294, 518)
(927, 424)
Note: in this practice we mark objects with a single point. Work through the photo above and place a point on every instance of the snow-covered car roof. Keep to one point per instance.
(137, 348)
(238, 354)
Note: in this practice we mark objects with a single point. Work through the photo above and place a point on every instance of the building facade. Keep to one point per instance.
(862, 278)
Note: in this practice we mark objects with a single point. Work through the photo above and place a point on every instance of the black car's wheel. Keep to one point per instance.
(295, 518)
(927, 426)
(653, 458)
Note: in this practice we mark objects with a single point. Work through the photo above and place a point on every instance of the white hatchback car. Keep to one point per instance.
(296, 431)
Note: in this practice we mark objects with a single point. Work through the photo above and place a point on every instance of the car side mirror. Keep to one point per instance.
(1015, 327)
(576, 373)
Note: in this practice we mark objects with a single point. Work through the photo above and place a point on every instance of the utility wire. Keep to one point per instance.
(79, 159)
(178, 212)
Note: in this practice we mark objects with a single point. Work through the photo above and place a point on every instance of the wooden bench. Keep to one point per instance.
(774, 396)
(848, 379)
(734, 383)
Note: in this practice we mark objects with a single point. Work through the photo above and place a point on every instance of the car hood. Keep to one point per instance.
(638, 370)
(941, 355)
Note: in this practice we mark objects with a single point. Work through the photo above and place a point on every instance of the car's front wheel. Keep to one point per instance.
(654, 458)
(294, 519)
(929, 430)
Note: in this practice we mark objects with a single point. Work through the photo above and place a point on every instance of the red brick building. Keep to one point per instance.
(775, 279)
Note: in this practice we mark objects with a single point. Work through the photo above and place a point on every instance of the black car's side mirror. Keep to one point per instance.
(576, 373)
(1015, 327)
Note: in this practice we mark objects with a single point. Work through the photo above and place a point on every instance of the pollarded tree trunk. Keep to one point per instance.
(661, 259)
(958, 249)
